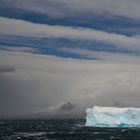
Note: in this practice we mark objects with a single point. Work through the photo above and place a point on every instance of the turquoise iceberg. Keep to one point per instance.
(112, 117)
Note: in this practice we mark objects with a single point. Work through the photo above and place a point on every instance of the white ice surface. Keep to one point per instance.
(112, 117)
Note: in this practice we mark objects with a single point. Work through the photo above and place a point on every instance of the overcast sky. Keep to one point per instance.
(59, 57)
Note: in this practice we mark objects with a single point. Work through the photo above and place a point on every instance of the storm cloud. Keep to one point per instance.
(43, 84)
(63, 8)
(59, 57)
(4, 69)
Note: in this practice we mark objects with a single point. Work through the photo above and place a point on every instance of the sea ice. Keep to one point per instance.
(112, 117)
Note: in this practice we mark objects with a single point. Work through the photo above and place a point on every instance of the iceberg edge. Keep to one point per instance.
(112, 117)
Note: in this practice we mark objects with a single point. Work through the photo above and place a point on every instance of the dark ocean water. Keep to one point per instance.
(58, 129)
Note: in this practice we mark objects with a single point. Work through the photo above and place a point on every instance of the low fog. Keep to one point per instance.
(33, 86)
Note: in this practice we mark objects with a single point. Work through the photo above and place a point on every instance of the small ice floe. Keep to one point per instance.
(79, 125)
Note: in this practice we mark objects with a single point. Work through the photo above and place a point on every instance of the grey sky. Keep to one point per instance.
(34, 85)
(63, 8)
(39, 85)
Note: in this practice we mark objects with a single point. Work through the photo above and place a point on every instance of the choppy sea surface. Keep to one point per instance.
(62, 129)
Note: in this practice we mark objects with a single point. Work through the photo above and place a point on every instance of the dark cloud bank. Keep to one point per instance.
(48, 87)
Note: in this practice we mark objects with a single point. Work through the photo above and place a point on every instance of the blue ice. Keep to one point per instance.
(112, 117)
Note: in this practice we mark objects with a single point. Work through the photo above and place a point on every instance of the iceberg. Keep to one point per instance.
(112, 117)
